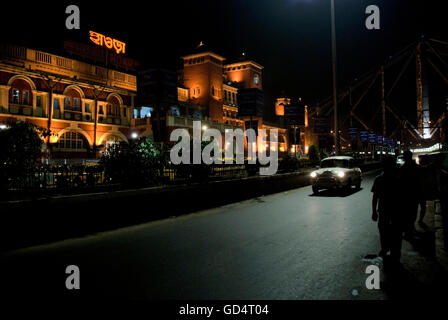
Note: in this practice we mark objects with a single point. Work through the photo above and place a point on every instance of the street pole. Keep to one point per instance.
(95, 123)
(383, 108)
(335, 93)
(50, 103)
(295, 141)
(50, 115)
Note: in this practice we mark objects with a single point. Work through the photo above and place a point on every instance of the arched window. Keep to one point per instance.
(175, 111)
(197, 115)
(113, 107)
(72, 101)
(20, 93)
(72, 141)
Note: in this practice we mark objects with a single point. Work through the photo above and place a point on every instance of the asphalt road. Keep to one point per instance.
(290, 245)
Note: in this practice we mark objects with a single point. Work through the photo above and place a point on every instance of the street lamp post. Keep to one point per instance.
(335, 93)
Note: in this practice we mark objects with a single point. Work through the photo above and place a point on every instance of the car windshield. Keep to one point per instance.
(334, 163)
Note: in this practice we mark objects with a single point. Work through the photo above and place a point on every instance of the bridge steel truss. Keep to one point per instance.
(424, 128)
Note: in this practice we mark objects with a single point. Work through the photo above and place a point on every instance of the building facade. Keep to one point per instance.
(87, 106)
(84, 105)
(221, 90)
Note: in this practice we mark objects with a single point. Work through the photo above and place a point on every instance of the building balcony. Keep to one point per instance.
(42, 61)
(229, 103)
(115, 120)
(20, 109)
(140, 122)
(73, 115)
(175, 121)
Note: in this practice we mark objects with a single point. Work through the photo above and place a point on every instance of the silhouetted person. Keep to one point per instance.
(384, 209)
(409, 195)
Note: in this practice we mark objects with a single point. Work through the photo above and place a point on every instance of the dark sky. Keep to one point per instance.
(290, 38)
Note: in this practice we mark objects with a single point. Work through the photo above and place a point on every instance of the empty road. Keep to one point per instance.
(290, 245)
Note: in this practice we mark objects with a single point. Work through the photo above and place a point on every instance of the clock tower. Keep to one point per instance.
(248, 74)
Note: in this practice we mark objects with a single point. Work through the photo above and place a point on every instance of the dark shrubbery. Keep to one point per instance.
(313, 155)
(194, 172)
(135, 164)
(21, 147)
(289, 164)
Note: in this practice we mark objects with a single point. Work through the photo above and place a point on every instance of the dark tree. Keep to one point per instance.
(21, 147)
(137, 163)
(313, 154)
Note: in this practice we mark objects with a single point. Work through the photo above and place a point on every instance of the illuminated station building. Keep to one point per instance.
(303, 133)
(223, 96)
(91, 96)
(85, 105)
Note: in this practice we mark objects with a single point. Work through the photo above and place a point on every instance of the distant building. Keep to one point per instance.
(248, 74)
(157, 94)
(227, 94)
(294, 115)
(280, 104)
(250, 102)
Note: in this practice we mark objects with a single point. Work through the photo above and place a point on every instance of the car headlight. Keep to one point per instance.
(313, 174)
(341, 174)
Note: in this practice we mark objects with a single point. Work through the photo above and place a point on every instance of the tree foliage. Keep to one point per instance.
(137, 163)
(313, 154)
(289, 163)
(21, 147)
(195, 172)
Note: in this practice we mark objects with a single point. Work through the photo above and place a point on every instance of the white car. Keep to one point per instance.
(336, 172)
(400, 161)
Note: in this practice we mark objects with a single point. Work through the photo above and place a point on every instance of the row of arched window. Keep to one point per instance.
(21, 94)
(75, 141)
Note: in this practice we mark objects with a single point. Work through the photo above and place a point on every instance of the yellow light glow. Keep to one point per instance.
(306, 116)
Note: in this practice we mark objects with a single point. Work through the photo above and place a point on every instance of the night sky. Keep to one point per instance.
(290, 38)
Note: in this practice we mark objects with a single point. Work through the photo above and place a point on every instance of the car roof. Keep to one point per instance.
(338, 158)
